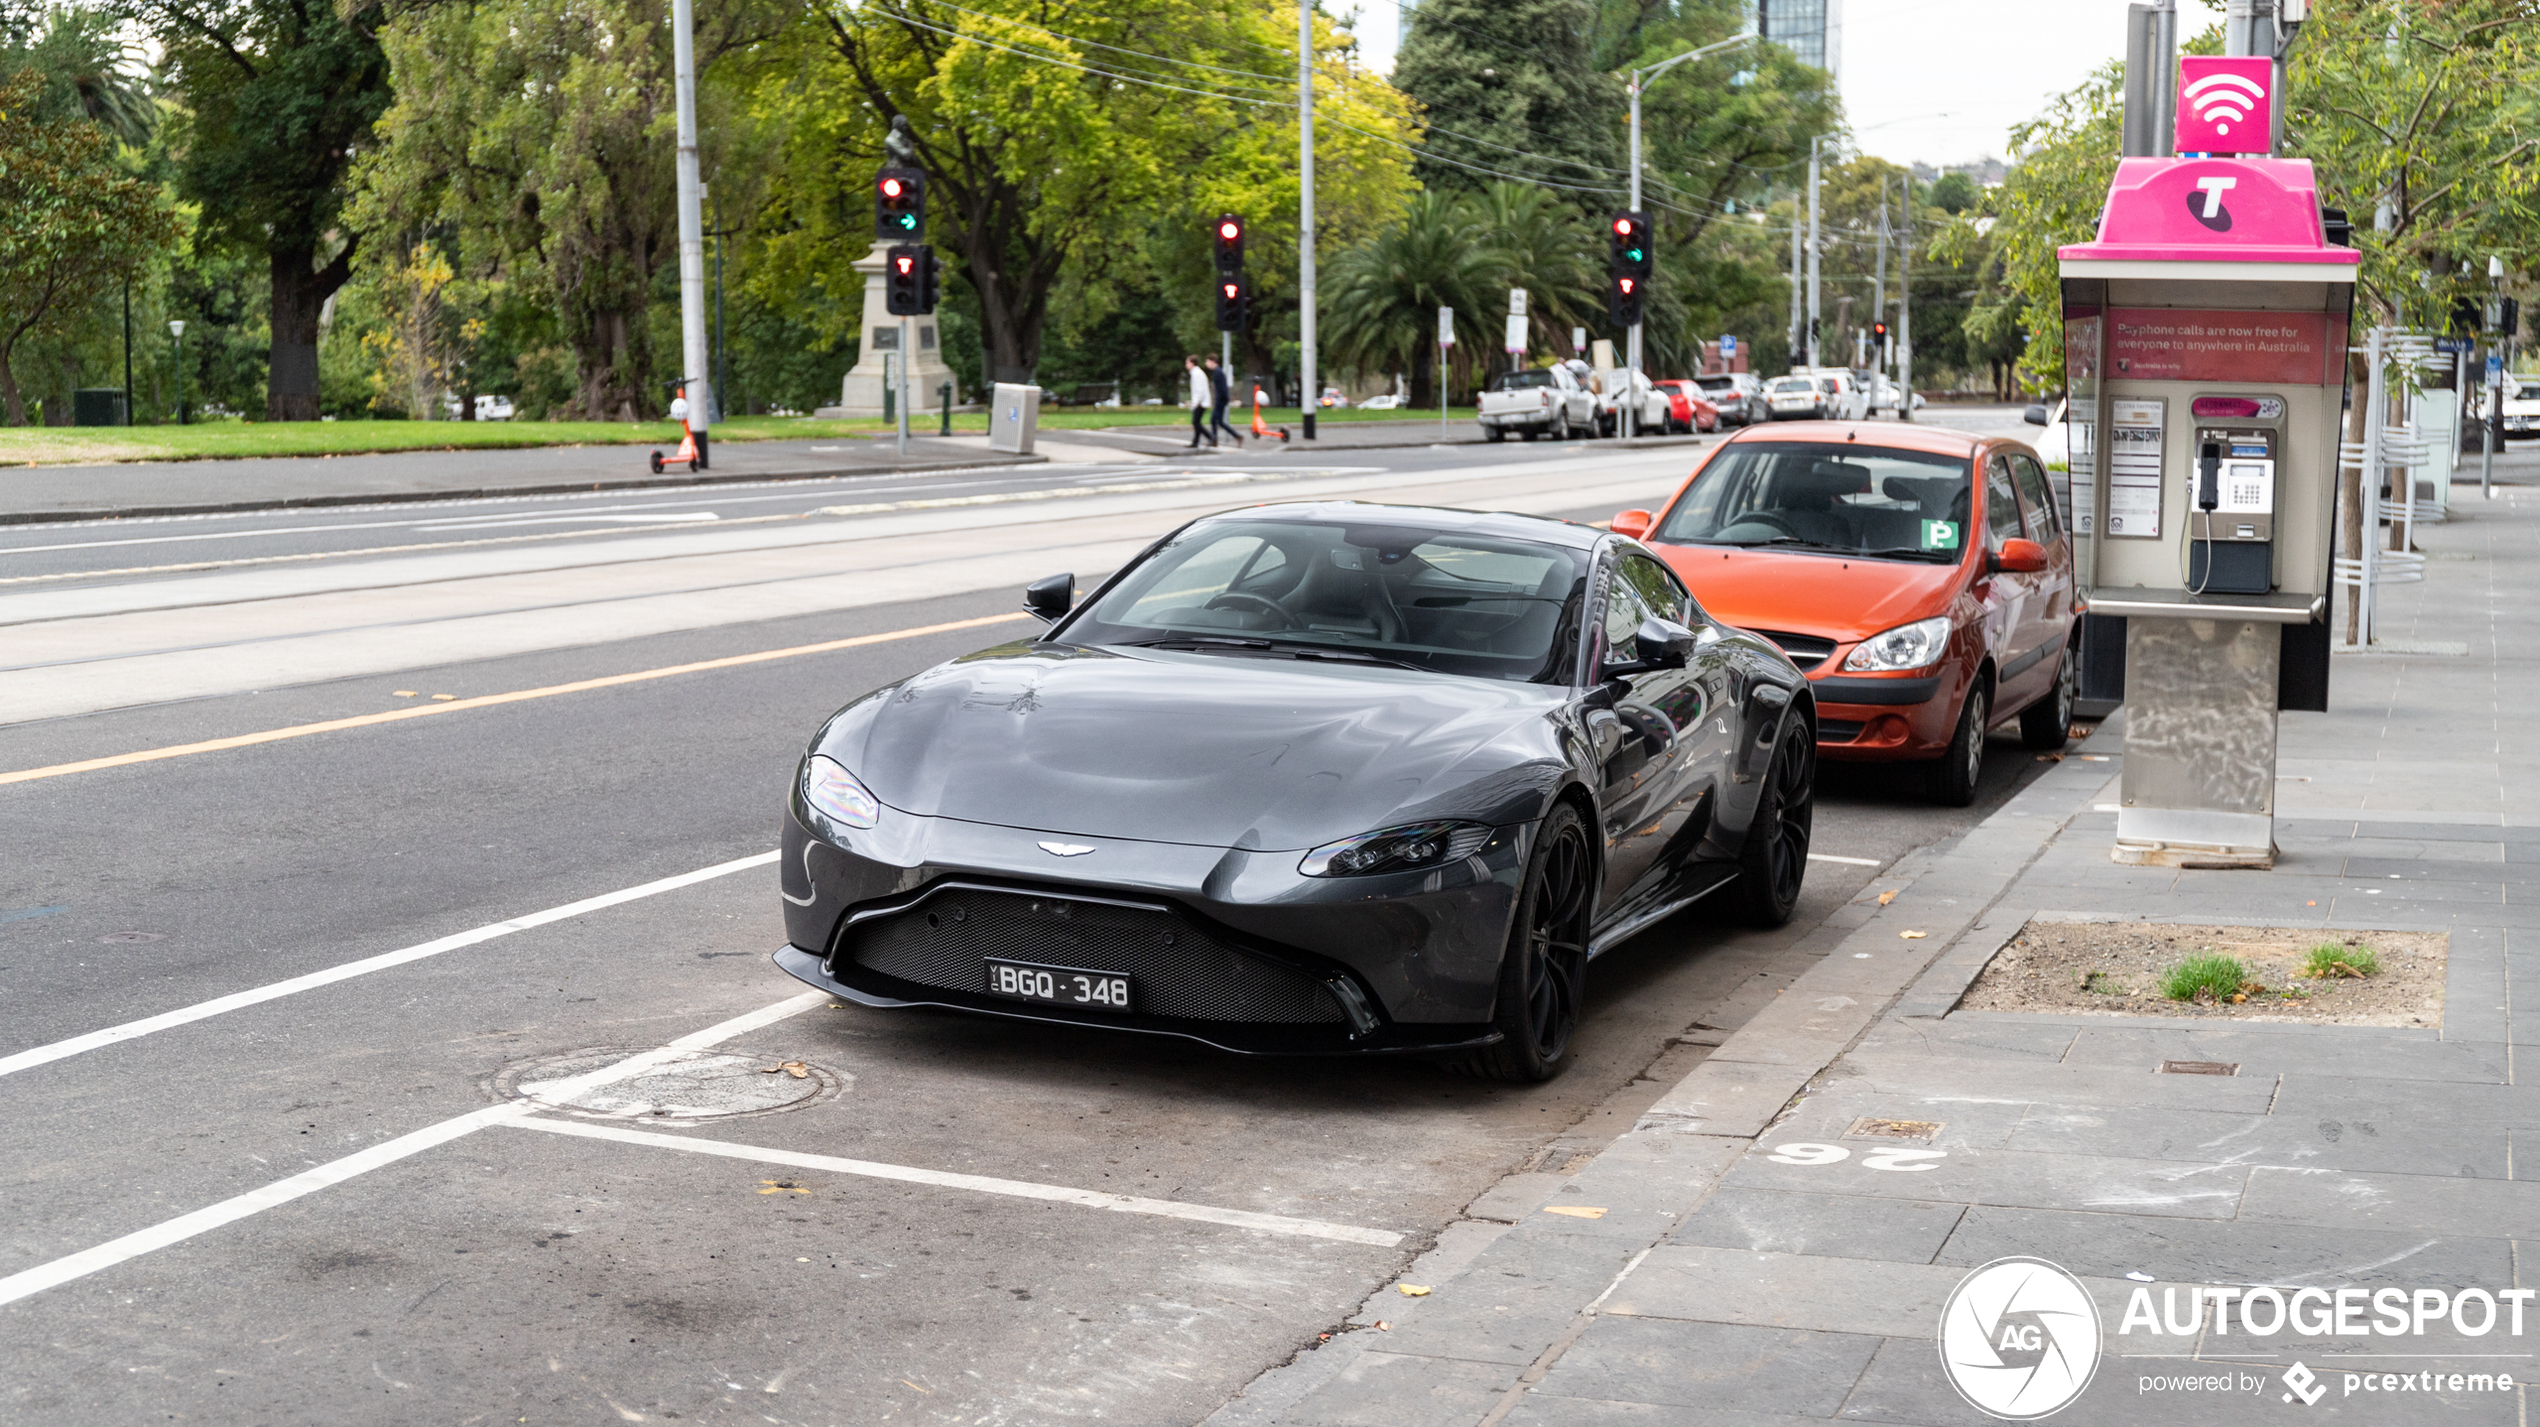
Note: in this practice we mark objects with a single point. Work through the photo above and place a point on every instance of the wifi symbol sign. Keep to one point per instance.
(2223, 104)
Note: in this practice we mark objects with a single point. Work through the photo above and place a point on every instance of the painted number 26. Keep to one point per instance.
(1903, 1160)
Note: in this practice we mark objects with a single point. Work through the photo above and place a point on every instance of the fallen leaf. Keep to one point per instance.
(1913, 936)
(1383, 1327)
(1575, 1211)
(1410, 1290)
(2050, 758)
(1886, 897)
(793, 1068)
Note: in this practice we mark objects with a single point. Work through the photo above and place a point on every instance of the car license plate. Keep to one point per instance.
(1058, 986)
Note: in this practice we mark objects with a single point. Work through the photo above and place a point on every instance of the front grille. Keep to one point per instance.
(1180, 968)
(1805, 650)
(1838, 730)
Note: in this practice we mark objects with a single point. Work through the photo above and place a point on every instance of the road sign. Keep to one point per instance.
(2454, 346)
(1728, 348)
(2495, 367)
(1516, 339)
(1446, 326)
(1516, 302)
(1578, 339)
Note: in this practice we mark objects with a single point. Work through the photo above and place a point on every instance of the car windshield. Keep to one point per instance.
(1525, 381)
(1715, 383)
(1372, 592)
(1791, 384)
(2527, 393)
(1835, 496)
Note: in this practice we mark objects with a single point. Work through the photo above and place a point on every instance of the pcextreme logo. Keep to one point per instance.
(2019, 1339)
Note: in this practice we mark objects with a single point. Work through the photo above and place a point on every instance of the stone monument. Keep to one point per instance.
(861, 393)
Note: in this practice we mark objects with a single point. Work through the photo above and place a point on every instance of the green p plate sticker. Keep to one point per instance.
(1940, 535)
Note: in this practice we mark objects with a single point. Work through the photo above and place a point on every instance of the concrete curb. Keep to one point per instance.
(135, 512)
(1467, 1352)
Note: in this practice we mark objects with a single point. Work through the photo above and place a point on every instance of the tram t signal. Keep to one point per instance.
(909, 280)
(1232, 293)
(899, 204)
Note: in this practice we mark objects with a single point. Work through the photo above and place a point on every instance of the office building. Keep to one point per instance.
(1812, 30)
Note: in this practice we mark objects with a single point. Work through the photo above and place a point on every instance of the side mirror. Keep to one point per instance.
(1051, 597)
(1657, 644)
(1634, 523)
(2020, 557)
(2035, 415)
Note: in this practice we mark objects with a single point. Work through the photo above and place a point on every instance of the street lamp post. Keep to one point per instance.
(1306, 376)
(176, 329)
(1639, 79)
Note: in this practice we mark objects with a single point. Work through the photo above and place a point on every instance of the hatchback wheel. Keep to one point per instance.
(1545, 967)
(1954, 777)
(2047, 725)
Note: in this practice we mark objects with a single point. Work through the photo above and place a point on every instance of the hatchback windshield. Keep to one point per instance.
(1525, 381)
(1374, 593)
(1848, 498)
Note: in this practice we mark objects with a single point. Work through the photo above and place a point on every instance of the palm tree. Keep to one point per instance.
(1382, 298)
(1549, 251)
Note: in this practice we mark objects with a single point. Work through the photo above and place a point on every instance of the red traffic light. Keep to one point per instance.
(906, 265)
(1232, 290)
(1627, 284)
(1623, 227)
(890, 188)
(1230, 230)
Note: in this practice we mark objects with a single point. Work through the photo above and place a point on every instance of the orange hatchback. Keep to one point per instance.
(1920, 576)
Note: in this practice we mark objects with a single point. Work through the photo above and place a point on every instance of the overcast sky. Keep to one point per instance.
(1940, 81)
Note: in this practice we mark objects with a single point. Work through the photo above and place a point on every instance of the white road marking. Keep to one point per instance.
(236, 1000)
(982, 1184)
(229, 1211)
(490, 522)
(1846, 861)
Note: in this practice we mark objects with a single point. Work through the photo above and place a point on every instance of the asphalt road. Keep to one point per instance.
(461, 1267)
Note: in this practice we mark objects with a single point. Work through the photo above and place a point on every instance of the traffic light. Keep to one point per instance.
(1232, 293)
(1878, 333)
(899, 204)
(1623, 297)
(1228, 234)
(1628, 262)
(904, 274)
(930, 286)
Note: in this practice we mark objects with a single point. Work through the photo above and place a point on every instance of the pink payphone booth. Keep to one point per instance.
(2205, 348)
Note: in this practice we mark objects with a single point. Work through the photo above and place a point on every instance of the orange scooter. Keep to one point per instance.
(1262, 428)
(692, 443)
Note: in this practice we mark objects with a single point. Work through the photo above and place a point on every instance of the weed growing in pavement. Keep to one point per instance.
(2330, 959)
(2209, 977)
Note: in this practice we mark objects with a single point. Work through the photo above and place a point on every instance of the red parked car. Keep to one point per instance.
(1921, 577)
(1689, 408)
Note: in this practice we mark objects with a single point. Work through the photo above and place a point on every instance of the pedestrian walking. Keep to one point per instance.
(1220, 391)
(1202, 393)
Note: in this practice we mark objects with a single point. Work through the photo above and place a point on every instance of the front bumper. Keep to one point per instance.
(1232, 948)
(1883, 720)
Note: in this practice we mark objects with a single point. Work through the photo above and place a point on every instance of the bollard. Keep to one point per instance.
(947, 390)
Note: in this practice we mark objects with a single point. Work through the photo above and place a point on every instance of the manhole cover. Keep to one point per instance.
(695, 1085)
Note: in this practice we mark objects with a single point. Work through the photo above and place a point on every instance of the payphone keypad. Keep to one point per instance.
(2244, 507)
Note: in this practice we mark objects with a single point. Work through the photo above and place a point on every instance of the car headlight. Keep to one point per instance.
(1395, 849)
(1907, 646)
(833, 792)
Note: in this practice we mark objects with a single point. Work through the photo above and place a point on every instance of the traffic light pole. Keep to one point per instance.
(1305, 217)
(906, 336)
(695, 360)
(1905, 309)
(1815, 250)
(1635, 82)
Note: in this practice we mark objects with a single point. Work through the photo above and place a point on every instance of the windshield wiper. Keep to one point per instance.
(1911, 552)
(1344, 656)
(1785, 540)
(1202, 641)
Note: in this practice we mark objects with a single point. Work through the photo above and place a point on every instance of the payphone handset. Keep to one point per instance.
(2231, 496)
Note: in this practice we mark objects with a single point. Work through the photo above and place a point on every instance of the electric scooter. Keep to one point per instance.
(692, 445)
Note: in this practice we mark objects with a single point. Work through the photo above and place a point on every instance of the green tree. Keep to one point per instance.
(1511, 86)
(1381, 299)
(76, 227)
(278, 95)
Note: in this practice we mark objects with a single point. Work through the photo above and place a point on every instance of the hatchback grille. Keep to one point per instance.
(1179, 968)
(1805, 650)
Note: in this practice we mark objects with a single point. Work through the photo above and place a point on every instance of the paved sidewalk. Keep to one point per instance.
(49, 493)
(1757, 1262)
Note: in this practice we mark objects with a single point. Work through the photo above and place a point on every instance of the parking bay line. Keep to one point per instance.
(303, 730)
(236, 1000)
(977, 1183)
(229, 1211)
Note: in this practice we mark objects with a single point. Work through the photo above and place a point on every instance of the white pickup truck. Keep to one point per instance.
(1545, 401)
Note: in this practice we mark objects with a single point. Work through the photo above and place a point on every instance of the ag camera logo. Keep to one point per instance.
(2019, 1339)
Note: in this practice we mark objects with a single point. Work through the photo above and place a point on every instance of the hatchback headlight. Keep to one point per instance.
(1907, 646)
(1395, 849)
(833, 792)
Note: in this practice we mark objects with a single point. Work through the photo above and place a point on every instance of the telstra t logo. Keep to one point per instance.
(2206, 202)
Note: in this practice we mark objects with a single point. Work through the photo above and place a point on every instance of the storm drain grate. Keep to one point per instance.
(1894, 1129)
(2200, 1067)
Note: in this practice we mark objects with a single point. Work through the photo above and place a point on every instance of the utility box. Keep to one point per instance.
(98, 406)
(1014, 418)
(2205, 337)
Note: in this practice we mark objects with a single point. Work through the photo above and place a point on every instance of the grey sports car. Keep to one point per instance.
(1309, 778)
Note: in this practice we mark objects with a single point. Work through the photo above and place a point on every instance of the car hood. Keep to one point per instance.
(1843, 600)
(1214, 750)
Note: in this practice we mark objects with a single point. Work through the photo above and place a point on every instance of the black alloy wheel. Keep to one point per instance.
(2047, 725)
(1955, 776)
(1544, 971)
(1774, 863)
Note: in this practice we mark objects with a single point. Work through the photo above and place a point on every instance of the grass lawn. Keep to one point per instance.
(212, 440)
